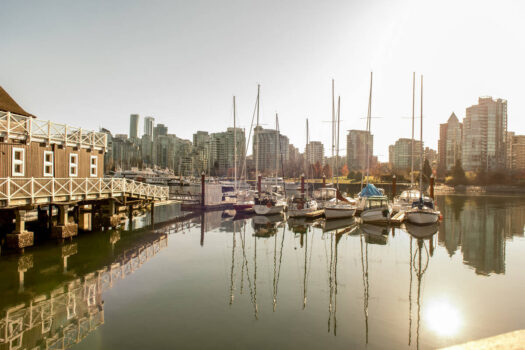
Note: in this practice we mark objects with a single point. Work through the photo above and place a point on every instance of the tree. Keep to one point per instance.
(458, 174)
(344, 170)
(326, 171)
(427, 171)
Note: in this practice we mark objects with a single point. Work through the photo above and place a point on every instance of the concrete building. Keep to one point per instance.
(356, 149)
(515, 152)
(134, 126)
(222, 155)
(402, 154)
(314, 152)
(160, 130)
(431, 155)
(149, 122)
(449, 144)
(170, 151)
(269, 152)
(484, 143)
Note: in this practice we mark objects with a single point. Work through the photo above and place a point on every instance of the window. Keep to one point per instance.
(93, 166)
(18, 162)
(73, 164)
(48, 163)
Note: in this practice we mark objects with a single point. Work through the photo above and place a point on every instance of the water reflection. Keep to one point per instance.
(478, 226)
(60, 305)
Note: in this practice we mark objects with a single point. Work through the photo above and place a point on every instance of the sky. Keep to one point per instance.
(93, 63)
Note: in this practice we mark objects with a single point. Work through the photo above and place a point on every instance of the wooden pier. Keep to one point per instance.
(44, 165)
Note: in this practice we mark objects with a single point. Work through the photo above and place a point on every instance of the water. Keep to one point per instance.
(197, 284)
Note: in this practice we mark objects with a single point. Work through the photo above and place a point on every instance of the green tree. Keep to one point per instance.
(458, 174)
(427, 171)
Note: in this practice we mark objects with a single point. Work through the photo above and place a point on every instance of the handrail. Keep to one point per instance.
(15, 126)
(33, 189)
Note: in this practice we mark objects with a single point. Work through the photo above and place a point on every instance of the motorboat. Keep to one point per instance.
(376, 210)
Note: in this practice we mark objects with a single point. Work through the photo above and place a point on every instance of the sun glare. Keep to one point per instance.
(443, 318)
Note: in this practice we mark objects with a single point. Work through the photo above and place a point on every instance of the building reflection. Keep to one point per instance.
(66, 310)
(479, 227)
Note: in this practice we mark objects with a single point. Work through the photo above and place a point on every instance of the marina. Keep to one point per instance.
(336, 282)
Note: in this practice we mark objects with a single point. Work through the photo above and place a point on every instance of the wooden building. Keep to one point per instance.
(44, 164)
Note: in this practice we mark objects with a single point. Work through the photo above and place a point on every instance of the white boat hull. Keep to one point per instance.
(422, 216)
(338, 213)
(265, 210)
(376, 215)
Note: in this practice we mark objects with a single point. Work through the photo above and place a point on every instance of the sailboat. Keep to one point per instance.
(302, 205)
(406, 198)
(422, 211)
(272, 203)
(341, 207)
(373, 204)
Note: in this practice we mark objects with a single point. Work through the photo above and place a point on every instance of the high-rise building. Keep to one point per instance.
(222, 150)
(357, 149)
(269, 153)
(515, 152)
(484, 143)
(149, 122)
(402, 154)
(133, 126)
(160, 130)
(449, 144)
(314, 152)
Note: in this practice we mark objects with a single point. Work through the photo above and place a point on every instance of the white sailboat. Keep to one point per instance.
(341, 207)
(422, 211)
(302, 205)
(272, 203)
(373, 204)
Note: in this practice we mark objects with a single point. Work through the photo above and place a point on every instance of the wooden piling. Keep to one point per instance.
(394, 182)
(203, 189)
(302, 185)
(432, 186)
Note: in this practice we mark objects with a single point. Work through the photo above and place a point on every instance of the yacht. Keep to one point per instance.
(269, 205)
(300, 206)
(376, 209)
(405, 199)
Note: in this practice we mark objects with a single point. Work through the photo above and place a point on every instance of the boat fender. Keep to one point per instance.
(385, 213)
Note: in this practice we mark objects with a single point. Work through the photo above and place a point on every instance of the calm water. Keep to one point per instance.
(212, 282)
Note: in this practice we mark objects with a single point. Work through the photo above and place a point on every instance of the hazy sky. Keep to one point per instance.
(92, 63)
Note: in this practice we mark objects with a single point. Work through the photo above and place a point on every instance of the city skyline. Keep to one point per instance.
(124, 68)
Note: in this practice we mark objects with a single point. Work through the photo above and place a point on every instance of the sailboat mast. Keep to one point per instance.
(421, 155)
(307, 154)
(333, 122)
(336, 170)
(277, 141)
(369, 127)
(257, 135)
(413, 114)
(234, 147)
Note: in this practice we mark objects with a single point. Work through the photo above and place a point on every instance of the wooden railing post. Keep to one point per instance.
(48, 132)
(65, 134)
(32, 190)
(8, 190)
(53, 190)
(29, 127)
(8, 124)
(70, 189)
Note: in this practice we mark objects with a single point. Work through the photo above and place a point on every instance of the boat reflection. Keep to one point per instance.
(375, 234)
(266, 226)
(63, 314)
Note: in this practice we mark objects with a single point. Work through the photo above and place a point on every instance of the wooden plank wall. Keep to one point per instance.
(34, 160)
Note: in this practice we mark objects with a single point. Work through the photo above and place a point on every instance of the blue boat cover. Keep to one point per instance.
(369, 191)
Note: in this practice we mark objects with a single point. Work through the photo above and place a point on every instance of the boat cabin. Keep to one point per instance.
(376, 202)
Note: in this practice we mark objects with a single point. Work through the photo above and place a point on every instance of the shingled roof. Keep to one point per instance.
(7, 104)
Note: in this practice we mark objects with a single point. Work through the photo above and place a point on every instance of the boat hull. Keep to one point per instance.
(338, 213)
(243, 207)
(422, 217)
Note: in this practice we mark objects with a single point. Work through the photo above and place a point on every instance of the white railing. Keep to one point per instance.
(38, 190)
(14, 126)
